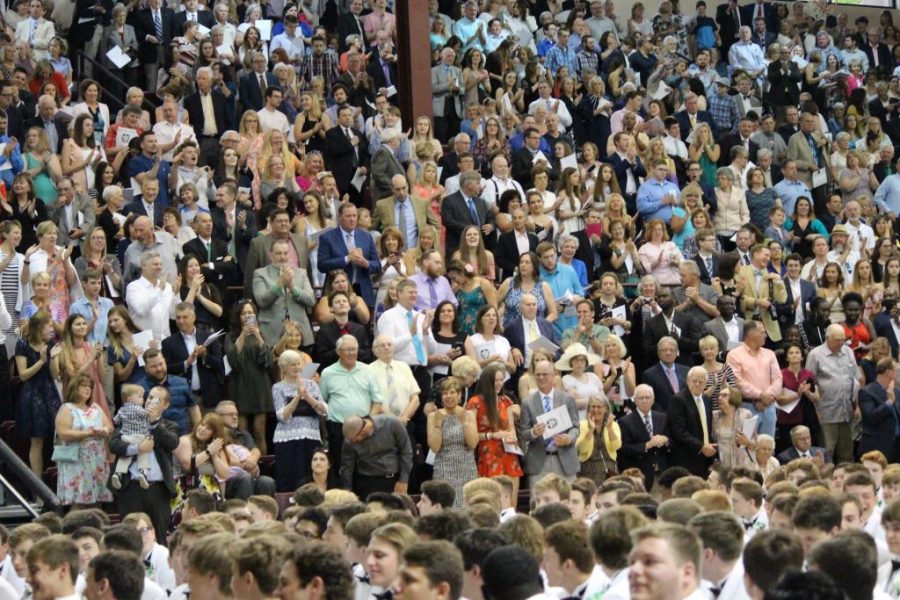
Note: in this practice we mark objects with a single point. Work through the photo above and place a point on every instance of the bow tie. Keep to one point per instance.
(895, 566)
(715, 591)
(759, 273)
(748, 525)
(385, 595)
(363, 579)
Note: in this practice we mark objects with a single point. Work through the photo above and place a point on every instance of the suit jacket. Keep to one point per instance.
(763, 40)
(686, 431)
(885, 64)
(340, 156)
(224, 270)
(376, 72)
(514, 331)
(716, 328)
(111, 39)
(730, 141)
(656, 378)
(137, 207)
(703, 116)
(83, 206)
(748, 10)
(783, 90)
(455, 217)
(258, 256)
(348, 24)
(879, 421)
(43, 33)
(521, 165)
(211, 366)
(705, 275)
(507, 252)
(384, 214)
(786, 311)
(195, 112)
(165, 440)
(204, 17)
(769, 289)
(688, 339)
(333, 255)
(384, 166)
(277, 305)
(326, 343)
(145, 27)
(440, 85)
(883, 328)
(798, 151)
(62, 131)
(243, 235)
(249, 91)
(634, 453)
(620, 167)
(535, 448)
(791, 454)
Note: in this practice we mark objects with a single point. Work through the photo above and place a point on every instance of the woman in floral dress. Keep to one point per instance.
(82, 483)
(495, 427)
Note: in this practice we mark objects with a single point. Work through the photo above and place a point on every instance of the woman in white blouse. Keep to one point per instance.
(486, 345)
(581, 384)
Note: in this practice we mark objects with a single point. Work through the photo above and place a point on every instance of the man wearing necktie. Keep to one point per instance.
(546, 453)
(346, 152)
(644, 436)
(763, 291)
(690, 424)
(801, 447)
(446, 103)
(526, 329)
(155, 29)
(464, 208)
(35, 30)
(352, 250)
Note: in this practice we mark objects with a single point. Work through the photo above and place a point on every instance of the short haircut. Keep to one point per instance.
(476, 544)
(853, 556)
(210, 555)
(710, 500)
(360, 527)
(551, 513)
(817, 511)
(342, 513)
(308, 494)
(769, 554)
(686, 486)
(441, 561)
(749, 490)
(482, 484)
(610, 535)
(315, 515)
(123, 537)
(54, 551)
(262, 556)
(443, 525)
(439, 492)
(721, 532)
(77, 519)
(684, 544)
(678, 510)
(33, 532)
(124, 572)
(552, 482)
(317, 559)
(860, 479)
(267, 504)
(890, 514)
(570, 541)
(199, 499)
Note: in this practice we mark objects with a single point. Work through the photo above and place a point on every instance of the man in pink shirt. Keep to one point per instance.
(758, 375)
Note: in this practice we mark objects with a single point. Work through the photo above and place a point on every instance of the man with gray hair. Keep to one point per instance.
(206, 110)
(385, 165)
(351, 390)
(145, 238)
(464, 208)
(447, 93)
(151, 300)
(55, 128)
(691, 427)
(399, 388)
(252, 86)
(693, 296)
(834, 366)
(801, 447)
(768, 139)
(644, 437)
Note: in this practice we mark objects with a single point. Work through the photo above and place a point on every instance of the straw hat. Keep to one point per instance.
(576, 349)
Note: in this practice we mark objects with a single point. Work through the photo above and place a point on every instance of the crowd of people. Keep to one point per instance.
(633, 260)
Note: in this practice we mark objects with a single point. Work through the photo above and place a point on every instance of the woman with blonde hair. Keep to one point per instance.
(472, 252)
(705, 151)
(427, 186)
(428, 241)
(616, 373)
(274, 142)
(735, 448)
(55, 261)
(733, 212)
(42, 164)
(656, 151)
(599, 439)
(863, 282)
(718, 375)
(857, 180)
(423, 133)
(95, 256)
(251, 144)
(659, 256)
(275, 176)
(311, 124)
(616, 210)
(308, 177)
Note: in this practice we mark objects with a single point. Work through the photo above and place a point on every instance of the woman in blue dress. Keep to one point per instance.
(472, 292)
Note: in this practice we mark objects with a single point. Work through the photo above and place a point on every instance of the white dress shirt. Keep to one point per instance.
(151, 307)
(394, 323)
(165, 135)
(397, 384)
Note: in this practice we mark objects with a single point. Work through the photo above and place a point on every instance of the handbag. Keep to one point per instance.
(64, 453)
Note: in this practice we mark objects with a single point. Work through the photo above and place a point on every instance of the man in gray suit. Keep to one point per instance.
(282, 293)
(446, 104)
(384, 165)
(727, 328)
(73, 213)
(261, 247)
(558, 454)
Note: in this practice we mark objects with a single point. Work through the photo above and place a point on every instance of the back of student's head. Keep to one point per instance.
(77, 519)
(439, 492)
(261, 557)
(123, 571)
(721, 532)
(266, 504)
(610, 535)
(817, 511)
(360, 527)
(852, 558)
(211, 556)
(769, 554)
(511, 573)
(710, 500)
(678, 510)
(686, 486)
(201, 501)
(476, 544)
(482, 484)
(550, 514)
(308, 494)
(569, 539)
(123, 537)
(442, 525)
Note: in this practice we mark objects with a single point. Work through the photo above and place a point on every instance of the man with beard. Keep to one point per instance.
(842, 251)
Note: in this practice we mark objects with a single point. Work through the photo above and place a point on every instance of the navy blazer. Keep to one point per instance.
(879, 421)
(883, 328)
(620, 167)
(656, 378)
(792, 454)
(703, 116)
(137, 207)
(506, 252)
(456, 217)
(333, 255)
(212, 367)
(249, 92)
(514, 332)
(634, 453)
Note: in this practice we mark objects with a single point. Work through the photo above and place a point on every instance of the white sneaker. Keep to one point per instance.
(114, 482)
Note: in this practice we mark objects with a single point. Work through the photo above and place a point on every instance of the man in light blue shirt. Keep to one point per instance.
(563, 281)
(561, 55)
(290, 41)
(92, 307)
(887, 196)
(657, 197)
(790, 188)
(470, 29)
(747, 56)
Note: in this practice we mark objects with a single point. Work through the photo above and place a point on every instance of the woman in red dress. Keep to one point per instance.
(495, 427)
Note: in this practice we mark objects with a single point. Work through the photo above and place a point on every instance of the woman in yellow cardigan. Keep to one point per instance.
(598, 460)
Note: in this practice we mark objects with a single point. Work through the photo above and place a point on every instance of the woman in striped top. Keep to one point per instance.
(718, 375)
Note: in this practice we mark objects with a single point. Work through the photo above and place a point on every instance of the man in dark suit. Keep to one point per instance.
(53, 127)
(511, 244)
(801, 447)
(784, 75)
(384, 165)
(666, 377)
(727, 328)
(879, 412)
(741, 138)
(145, 203)
(750, 13)
(681, 326)
(691, 431)
(329, 333)
(523, 160)
(879, 54)
(218, 268)
(349, 23)
(151, 22)
(346, 151)
(208, 134)
(351, 250)
(187, 356)
(628, 168)
(88, 15)
(707, 259)
(252, 86)
(884, 321)
(692, 115)
(644, 434)
(728, 18)
(192, 12)
(800, 294)
(761, 35)
(464, 208)
(383, 69)
(234, 225)
(449, 162)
